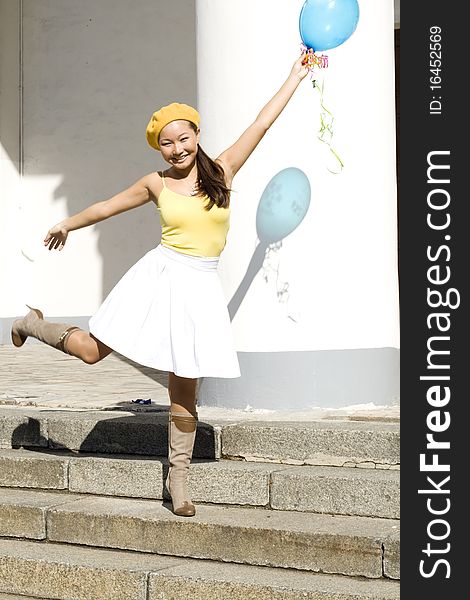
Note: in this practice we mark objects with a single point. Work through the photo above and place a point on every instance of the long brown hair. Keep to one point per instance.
(211, 179)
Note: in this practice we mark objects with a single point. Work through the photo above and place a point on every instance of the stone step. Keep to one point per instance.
(322, 442)
(346, 545)
(334, 490)
(16, 597)
(334, 443)
(60, 572)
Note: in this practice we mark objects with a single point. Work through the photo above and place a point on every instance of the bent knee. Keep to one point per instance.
(90, 358)
(87, 352)
(84, 347)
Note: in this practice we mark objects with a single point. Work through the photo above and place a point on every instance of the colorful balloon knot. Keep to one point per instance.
(313, 61)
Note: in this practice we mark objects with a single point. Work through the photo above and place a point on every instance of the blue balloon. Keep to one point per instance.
(325, 24)
(283, 204)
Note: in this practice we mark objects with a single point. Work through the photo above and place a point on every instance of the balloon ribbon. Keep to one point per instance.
(325, 133)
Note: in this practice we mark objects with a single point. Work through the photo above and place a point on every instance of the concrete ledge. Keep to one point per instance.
(333, 490)
(343, 545)
(336, 544)
(107, 433)
(392, 555)
(350, 491)
(333, 443)
(231, 482)
(18, 429)
(26, 568)
(23, 513)
(215, 581)
(26, 469)
(124, 476)
(96, 574)
(123, 433)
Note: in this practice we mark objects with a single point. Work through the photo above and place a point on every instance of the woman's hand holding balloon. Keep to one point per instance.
(299, 68)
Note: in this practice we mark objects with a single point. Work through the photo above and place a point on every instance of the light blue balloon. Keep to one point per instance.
(283, 205)
(325, 24)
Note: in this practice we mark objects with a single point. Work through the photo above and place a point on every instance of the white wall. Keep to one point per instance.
(9, 150)
(93, 74)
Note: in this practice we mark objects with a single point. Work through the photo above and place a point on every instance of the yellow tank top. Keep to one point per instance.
(188, 227)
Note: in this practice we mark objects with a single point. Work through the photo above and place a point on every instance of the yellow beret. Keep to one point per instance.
(167, 114)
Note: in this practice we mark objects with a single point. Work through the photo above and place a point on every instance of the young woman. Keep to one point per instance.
(168, 311)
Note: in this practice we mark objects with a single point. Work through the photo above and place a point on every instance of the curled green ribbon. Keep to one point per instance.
(325, 133)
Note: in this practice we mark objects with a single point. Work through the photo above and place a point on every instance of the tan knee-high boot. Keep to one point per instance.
(34, 325)
(181, 435)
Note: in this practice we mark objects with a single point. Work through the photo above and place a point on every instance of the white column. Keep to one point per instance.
(334, 337)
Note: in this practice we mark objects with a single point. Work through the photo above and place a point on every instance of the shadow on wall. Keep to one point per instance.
(282, 207)
(94, 72)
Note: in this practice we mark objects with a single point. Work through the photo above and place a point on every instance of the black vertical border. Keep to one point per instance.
(421, 132)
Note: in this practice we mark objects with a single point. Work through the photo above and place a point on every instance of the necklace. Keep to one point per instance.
(194, 190)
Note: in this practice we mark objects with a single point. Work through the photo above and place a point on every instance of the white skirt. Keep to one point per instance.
(169, 312)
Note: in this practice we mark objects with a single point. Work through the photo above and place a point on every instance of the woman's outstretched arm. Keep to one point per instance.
(234, 157)
(136, 195)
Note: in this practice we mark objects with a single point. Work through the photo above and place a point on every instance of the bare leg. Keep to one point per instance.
(85, 346)
(182, 428)
(64, 337)
(182, 391)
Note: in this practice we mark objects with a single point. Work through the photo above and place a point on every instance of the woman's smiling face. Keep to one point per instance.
(178, 144)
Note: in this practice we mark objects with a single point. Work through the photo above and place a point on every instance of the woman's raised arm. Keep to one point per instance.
(136, 195)
(234, 157)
